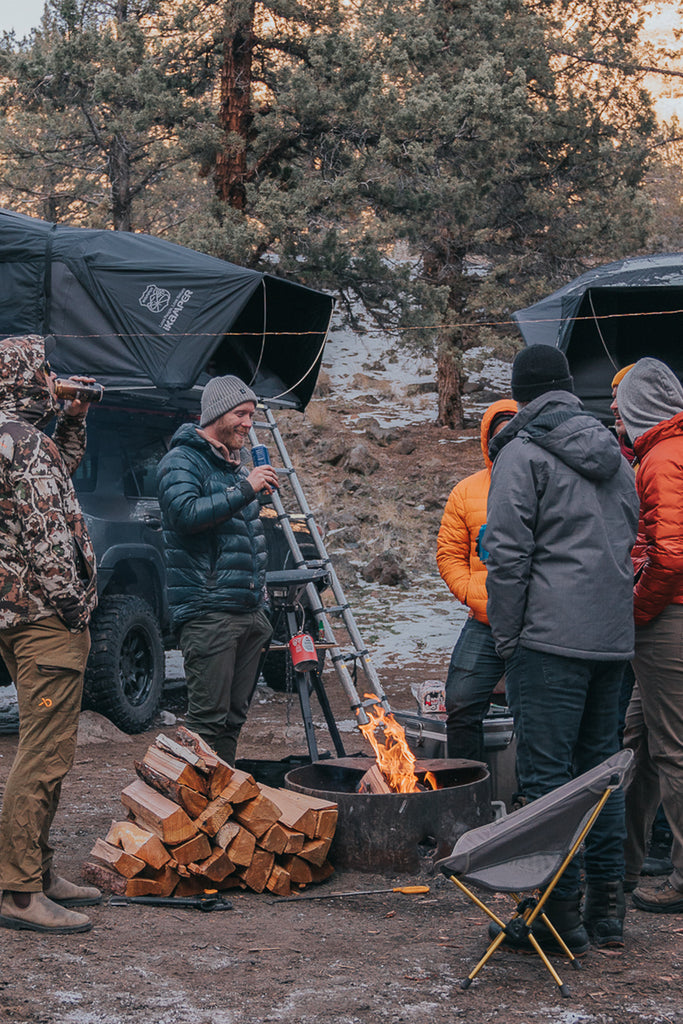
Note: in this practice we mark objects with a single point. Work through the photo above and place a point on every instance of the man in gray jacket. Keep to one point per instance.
(562, 519)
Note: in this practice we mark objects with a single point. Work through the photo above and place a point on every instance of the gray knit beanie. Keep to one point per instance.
(221, 395)
(649, 393)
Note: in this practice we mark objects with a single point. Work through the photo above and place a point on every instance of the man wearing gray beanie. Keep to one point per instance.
(215, 551)
(650, 400)
(561, 521)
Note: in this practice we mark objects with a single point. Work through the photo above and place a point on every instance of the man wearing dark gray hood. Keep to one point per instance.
(562, 517)
(650, 400)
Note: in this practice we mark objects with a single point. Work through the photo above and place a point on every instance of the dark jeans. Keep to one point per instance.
(222, 654)
(474, 670)
(566, 714)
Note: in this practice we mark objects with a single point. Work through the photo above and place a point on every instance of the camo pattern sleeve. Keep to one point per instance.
(47, 564)
(70, 437)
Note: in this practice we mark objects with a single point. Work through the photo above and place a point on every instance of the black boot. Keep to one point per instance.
(603, 913)
(565, 916)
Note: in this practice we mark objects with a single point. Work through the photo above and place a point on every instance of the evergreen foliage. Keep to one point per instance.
(431, 161)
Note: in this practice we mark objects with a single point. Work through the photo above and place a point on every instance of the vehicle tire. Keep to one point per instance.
(124, 676)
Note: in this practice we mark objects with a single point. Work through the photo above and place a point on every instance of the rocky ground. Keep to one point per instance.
(378, 486)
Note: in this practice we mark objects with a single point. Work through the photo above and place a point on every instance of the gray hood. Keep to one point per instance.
(649, 394)
(556, 422)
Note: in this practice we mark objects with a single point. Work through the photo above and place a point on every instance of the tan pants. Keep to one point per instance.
(47, 663)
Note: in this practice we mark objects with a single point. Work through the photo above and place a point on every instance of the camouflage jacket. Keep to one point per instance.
(47, 563)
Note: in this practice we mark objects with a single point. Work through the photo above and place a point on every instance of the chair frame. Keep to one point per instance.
(529, 908)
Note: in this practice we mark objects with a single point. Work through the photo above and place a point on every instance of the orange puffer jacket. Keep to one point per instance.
(658, 552)
(463, 518)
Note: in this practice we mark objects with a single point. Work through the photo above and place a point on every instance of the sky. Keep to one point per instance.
(20, 15)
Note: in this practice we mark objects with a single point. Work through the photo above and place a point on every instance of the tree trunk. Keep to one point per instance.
(119, 176)
(449, 385)
(235, 109)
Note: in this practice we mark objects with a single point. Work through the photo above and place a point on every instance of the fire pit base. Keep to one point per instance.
(398, 832)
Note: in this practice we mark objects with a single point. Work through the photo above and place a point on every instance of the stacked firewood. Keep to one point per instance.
(194, 823)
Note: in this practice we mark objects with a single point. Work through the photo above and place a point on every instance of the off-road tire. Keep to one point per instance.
(125, 671)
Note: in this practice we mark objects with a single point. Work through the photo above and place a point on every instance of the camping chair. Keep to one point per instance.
(527, 852)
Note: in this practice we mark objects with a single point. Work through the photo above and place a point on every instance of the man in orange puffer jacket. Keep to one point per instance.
(475, 667)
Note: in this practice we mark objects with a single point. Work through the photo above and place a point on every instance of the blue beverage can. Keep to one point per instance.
(259, 455)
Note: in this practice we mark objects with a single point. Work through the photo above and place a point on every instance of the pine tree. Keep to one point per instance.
(97, 107)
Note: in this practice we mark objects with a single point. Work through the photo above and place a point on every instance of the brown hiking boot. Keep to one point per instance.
(39, 914)
(68, 894)
(662, 900)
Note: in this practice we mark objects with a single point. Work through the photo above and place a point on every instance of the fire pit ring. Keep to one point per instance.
(397, 832)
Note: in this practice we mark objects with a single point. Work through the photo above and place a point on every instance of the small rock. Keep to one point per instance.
(382, 435)
(361, 461)
(94, 728)
(386, 569)
(406, 446)
(332, 452)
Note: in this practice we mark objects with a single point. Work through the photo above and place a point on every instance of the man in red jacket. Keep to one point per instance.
(650, 400)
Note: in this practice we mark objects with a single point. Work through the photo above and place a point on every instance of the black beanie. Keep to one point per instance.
(537, 369)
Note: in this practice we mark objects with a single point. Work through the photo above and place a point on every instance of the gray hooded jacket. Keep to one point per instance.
(562, 519)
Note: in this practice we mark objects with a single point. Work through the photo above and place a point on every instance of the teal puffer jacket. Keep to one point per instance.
(214, 542)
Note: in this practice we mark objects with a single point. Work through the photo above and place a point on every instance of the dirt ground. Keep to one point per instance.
(352, 960)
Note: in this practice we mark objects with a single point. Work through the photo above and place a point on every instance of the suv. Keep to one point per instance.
(130, 629)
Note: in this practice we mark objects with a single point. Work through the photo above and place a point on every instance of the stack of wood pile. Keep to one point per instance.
(194, 823)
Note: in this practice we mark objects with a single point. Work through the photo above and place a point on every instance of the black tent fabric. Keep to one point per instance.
(138, 312)
(610, 317)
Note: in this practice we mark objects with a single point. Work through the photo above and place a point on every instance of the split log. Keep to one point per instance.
(258, 814)
(104, 878)
(315, 851)
(242, 787)
(138, 842)
(219, 771)
(192, 803)
(316, 818)
(374, 782)
(175, 769)
(279, 883)
(215, 868)
(280, 839)
(214, 816)
(196, 848)
(183, 753)
(256, 875)
(237, 841)
(159, 883)
(117, 859)
(302, 872)
(157, 813)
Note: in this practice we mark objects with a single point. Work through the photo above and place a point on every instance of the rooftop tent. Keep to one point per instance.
(610, 317)
(137, 312)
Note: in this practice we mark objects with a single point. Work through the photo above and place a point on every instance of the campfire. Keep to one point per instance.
(394, 771)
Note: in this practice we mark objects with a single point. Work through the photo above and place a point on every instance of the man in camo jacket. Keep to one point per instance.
(47, 594)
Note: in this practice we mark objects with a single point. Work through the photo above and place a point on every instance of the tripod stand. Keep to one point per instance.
(285, 590)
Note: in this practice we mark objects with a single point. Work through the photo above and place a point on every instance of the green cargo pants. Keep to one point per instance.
(47, 663)
(222, 653)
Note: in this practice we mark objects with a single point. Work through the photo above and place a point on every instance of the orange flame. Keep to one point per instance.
(394, 757)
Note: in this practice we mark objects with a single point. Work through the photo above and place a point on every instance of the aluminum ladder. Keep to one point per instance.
(356, 654)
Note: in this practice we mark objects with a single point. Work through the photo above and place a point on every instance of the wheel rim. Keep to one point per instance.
(136, 668)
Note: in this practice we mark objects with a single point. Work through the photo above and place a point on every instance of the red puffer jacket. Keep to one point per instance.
(658, 552)
(463, 518)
